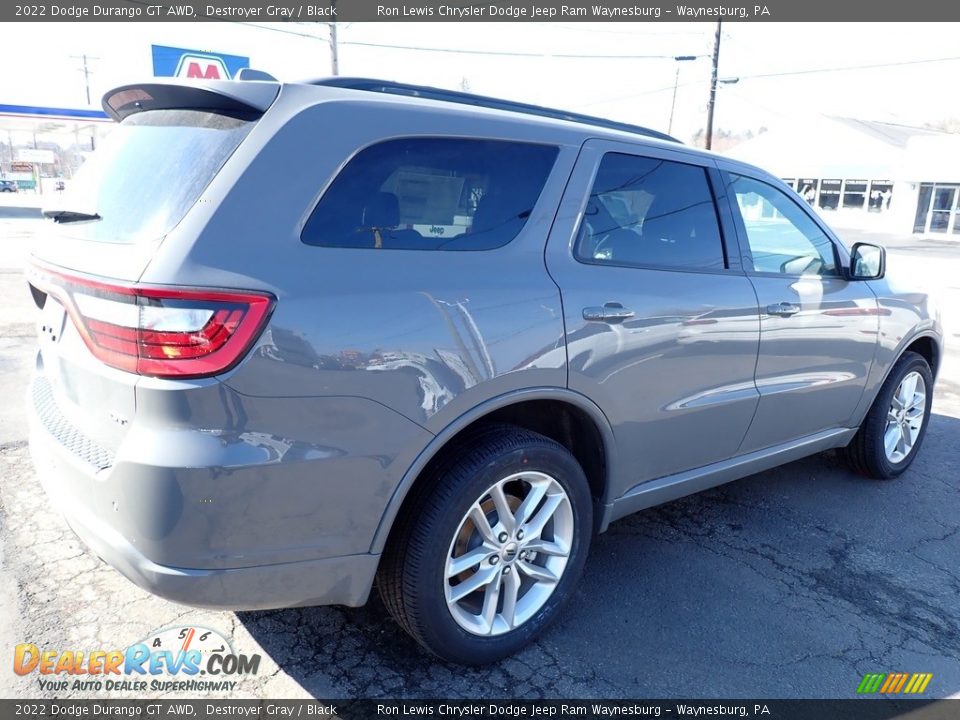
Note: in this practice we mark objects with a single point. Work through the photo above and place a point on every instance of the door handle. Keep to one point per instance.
(611, 312)
(783, 309)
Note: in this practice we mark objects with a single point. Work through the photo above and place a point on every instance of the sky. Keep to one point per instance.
(523, 61)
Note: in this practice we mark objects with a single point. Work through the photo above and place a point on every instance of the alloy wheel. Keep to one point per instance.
(508, 554)
(905, 417)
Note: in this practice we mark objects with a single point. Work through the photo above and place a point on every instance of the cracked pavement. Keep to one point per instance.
(790, 583)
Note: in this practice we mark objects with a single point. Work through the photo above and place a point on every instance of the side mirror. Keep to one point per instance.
(867, 262)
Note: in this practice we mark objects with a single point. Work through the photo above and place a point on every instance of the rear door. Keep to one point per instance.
(134, 190)
(661, 323)
(818, 331)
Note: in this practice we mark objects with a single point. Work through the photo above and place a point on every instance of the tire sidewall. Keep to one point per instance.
(443, 631)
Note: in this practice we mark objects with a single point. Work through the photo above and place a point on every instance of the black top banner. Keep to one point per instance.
(477, 11)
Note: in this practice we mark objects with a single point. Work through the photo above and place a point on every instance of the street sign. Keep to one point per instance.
(21, 167)
(29, 155)
(197, 64)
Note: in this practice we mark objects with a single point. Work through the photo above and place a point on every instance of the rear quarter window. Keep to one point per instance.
(432, 194)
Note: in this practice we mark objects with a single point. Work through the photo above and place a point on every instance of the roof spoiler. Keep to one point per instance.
(218, 95)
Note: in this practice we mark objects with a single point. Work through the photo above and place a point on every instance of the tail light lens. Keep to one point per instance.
(159, 331)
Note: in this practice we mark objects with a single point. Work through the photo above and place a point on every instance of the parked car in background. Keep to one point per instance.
(463, 337)
(8, 186)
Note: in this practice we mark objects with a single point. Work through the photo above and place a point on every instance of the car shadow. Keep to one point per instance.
(789, 583)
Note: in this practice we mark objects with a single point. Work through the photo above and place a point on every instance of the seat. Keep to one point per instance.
(496, 221)
(381, 216)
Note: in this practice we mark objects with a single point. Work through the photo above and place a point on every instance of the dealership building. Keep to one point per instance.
(867, 175)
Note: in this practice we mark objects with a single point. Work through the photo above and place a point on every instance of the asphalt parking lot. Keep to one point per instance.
(790, 583)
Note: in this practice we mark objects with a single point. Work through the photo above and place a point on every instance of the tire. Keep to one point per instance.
(429, 594)
(868, 453)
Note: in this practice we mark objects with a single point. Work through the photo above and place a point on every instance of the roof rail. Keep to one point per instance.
(462, 98)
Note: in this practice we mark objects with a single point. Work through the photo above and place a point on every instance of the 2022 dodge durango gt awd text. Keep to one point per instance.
(458, 338)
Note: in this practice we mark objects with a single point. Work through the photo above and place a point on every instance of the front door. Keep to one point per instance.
(944, 211)
(818, 331)
(661, 328)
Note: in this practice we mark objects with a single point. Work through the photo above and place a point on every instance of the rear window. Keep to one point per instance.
(432, 194)
(148, 173)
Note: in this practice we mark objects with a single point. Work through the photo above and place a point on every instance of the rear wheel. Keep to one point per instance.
(893, 430)
(489, 547)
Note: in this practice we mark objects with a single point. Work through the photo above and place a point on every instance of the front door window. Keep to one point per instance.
(781, 236)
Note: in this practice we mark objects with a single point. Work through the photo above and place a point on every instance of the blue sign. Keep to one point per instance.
(201, 64)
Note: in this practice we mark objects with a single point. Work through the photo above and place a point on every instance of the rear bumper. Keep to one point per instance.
(197, 517)
(342, 580)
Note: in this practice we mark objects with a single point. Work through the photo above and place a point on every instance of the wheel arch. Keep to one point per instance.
(925, 343)
(560, 414)
(927, 346)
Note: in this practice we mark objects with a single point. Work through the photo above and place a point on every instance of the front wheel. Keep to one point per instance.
(489, 547)
(891, 434)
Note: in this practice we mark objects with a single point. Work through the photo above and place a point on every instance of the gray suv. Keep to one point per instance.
(298, 338)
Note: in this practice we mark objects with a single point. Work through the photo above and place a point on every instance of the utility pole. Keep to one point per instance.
(713, 86)
(334, 57)
(86, 71)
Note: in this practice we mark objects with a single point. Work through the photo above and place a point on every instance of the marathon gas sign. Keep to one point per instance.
(198, 64)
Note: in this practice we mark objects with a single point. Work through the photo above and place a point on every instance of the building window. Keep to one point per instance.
(792, 182)
(923, 207)
(880, 193)
(807, 188)
(854, 194)
(830, 194)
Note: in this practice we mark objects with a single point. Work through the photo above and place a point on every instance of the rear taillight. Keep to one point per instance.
(159, 331)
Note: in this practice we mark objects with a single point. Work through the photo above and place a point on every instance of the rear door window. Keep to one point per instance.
(650, 212)
(147, 174)
(432, 194)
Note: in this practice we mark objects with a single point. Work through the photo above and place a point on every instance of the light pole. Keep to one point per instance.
(676, 83)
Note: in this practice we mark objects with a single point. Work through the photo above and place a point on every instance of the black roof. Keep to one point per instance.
(462, 98)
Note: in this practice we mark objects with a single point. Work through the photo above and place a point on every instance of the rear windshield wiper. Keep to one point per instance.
(65, 216)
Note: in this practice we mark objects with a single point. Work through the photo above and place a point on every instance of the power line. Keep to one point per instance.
(604, 101)
(506, 53)
(812, 71)
(786, 73)
(621, 33)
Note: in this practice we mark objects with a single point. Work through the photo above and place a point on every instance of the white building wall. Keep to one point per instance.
(831, 149)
